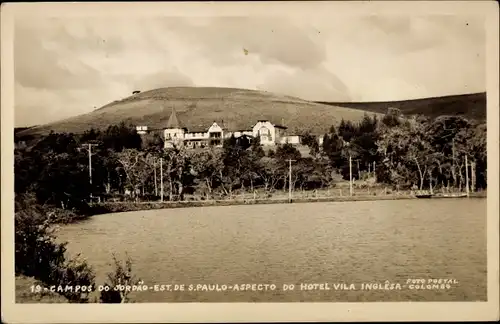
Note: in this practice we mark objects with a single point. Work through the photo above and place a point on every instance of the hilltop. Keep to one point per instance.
(198, 107)
(471, 106)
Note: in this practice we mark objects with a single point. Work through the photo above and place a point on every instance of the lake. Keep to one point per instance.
(349, 249)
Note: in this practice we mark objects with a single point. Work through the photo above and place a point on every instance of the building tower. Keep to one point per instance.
(174, 132)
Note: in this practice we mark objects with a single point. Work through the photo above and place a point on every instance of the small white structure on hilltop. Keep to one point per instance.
(141, 130)
(175, 134)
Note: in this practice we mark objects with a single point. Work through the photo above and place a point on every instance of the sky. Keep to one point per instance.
(69, 66)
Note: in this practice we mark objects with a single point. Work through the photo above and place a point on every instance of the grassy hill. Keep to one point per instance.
(469, 105)
(198, 107)
(239, 109)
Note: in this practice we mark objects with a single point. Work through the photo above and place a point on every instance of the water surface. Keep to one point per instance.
(333, 242)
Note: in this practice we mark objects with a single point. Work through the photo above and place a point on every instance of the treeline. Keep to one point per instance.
(404, 152)
(52, 176)
(436, 153)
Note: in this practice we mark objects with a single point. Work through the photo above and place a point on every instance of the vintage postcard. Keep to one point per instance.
(250, 161)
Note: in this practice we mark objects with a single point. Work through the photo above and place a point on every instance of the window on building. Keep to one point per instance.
(265, 134)
(264, 131)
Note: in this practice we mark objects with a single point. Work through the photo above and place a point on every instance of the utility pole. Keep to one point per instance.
(473, 176)
(290, 180)
(156, 185)
(466, 177)
(359, 172)
(347, 144)
(90, 165)
(350, 175)
(430, 182)
(161, 179)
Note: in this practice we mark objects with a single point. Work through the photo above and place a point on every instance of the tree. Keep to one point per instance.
(270, 171)
(39, 255)
(57, 143)
(311, 141)
(406, 145)
(176, 171)
(391, 118)
(249, 161)
(287, 151)
(332, 149)
(133, 164)
(91, 135)
(284, 153)
(207, 165)
(238, 159)
(303, 173)
(346, 130)
(453, 138)
(478, 149)
(152, 142)
(119, 137)
(324, 171)
(256, 148)
(62, 180)
(121, 276)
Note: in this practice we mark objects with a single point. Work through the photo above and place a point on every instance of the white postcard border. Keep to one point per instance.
(249, 312)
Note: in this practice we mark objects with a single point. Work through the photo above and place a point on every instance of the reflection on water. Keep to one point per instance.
(343, 242)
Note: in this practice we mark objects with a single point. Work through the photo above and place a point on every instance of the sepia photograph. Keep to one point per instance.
(209, 158)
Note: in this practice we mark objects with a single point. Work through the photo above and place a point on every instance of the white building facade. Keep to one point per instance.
(268, 133)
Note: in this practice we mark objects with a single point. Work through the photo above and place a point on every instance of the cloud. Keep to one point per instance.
(401, 34)
(274, 40)
(172, 78)
(312, 84)
(397, 58)
(38, 66)
(65, 67)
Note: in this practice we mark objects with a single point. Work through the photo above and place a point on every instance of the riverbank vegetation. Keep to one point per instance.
(396, 152)
(44, 272)
(54, 184)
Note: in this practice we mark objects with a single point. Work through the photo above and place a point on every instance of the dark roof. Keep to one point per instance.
(274, 124)
(204, 128)
(198, 129)
(173, 122)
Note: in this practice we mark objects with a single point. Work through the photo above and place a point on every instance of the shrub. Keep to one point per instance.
(75, 272)
(38, 255)
(122, 276)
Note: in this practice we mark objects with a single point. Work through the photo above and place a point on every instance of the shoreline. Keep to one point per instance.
(129, 206)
